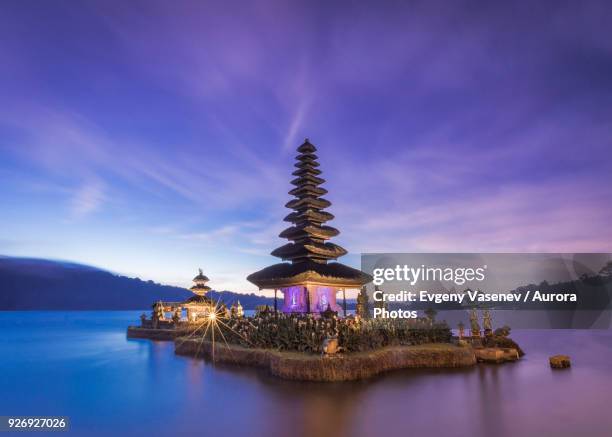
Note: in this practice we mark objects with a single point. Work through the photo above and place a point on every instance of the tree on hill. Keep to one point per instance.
(606, 271)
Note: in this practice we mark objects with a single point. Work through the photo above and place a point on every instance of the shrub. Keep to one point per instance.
(305, 333)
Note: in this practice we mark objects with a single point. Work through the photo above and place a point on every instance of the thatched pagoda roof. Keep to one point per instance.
(309, 216)
(311, 249)
(302, 232)
(304, 158)
(308, 250)
(201, 277)
(198, 300)
(307, 148)
(308, 190)
(308, 203)
(285, 275)
(200, 288)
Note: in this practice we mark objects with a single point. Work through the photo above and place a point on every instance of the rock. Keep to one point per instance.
(330, 346)
(504, 343)
(495, 355)
(560, 361)
(462, 343)
(511, 354)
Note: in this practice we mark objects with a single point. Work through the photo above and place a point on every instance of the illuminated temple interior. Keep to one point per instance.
(320, 298)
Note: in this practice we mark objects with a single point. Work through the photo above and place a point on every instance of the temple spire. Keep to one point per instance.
(311, 280)
(200, 288)
(308, 234)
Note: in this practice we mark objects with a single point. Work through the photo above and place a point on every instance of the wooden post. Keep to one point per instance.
(307, 300)
(344, 301)
(275, 301)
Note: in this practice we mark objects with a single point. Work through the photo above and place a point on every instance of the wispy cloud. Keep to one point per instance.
(296, 125)
(87, 200)
(213, 236)
(438, 128)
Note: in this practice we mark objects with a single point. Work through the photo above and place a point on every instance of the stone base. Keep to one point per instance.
(496, 355)
(342, 367)
(153, 334)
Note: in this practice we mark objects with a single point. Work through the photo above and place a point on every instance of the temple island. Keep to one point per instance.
(311, 337)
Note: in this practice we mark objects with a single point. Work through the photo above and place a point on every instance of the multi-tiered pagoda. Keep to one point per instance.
(309, 281)
(200, 305)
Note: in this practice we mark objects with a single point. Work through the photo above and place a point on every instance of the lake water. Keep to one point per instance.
(80, 364)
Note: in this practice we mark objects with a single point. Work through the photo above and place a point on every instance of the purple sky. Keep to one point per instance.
(152, 138)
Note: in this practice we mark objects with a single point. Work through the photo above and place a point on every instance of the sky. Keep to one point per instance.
(151, 138)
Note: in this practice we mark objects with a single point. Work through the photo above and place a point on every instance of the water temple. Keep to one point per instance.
(311, 337)
(309, 281)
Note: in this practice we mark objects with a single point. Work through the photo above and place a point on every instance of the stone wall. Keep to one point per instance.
(342, 367)
(153, 334)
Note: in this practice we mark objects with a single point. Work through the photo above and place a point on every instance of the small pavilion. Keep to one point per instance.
(309, 281)
(198, 305)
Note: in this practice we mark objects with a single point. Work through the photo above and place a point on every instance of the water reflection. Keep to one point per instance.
(81, 365)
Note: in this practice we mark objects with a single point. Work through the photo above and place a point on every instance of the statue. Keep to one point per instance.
(330, 346)
(329, 313)
(222, 310)
(176, 317)
(486, 322)
(430, 313)
(323, 304)
(382, 304)
(158, 313)
(461, 327)
(474, 326)
(362, 303)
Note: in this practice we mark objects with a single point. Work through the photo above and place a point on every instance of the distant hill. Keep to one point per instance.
(39, 284)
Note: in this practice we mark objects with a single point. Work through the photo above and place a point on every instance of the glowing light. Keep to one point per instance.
(204, 329)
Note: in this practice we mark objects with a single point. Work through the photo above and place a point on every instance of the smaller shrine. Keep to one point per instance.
(236, 310)
(199, 307)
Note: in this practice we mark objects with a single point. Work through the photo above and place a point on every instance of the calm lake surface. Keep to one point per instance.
(80, 364)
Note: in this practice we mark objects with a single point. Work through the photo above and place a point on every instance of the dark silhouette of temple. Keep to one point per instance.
(309, 281)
